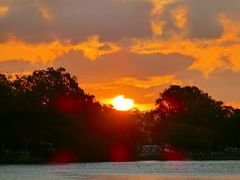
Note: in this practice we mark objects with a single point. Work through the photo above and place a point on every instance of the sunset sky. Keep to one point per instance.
(135, 48)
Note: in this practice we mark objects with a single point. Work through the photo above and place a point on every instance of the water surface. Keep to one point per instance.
(142, 170)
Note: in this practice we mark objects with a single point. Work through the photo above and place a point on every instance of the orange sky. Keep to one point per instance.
(132, 47)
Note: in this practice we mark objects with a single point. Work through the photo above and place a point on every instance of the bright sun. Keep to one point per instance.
(122, 104)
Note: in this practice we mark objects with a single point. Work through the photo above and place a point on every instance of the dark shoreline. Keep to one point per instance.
(198, 157)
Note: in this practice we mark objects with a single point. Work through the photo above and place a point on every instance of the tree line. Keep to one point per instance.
(48, 113)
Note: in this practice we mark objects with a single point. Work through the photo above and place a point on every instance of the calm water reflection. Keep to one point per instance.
(152, 170)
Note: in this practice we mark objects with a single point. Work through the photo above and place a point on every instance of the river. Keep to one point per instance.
(142, 170)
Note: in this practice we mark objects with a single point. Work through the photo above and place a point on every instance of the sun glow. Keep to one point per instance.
(122, 104)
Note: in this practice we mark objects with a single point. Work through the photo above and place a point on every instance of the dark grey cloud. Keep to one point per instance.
(76, 20)
(223, 85)
(110, 19)
(25, 21)
(13, 66)
(203, 18)
(122, 64)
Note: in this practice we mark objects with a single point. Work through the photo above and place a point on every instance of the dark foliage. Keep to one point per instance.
(50, 115)
(188, 118)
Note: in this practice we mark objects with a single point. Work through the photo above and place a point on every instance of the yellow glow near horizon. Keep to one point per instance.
(122, 104)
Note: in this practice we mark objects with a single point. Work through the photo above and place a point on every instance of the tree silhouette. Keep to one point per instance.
(47, 113)
(189, 118)
(48, 107)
